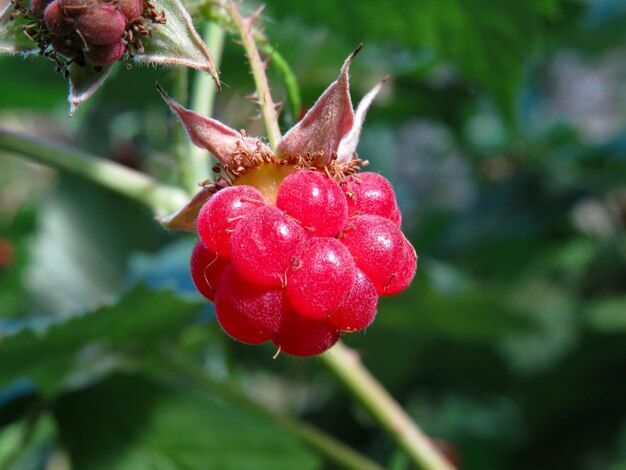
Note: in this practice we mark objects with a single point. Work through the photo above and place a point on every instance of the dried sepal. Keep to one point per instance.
(84, 81)
(185, 217)
(176, 42)
(222, 141)
(321, 129)
(347, 146)
(12, 37)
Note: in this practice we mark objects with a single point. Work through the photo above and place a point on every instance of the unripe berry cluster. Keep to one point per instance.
(306, 269)
(98, 32)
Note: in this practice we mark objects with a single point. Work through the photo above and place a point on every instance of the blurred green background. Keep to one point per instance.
(503, 129)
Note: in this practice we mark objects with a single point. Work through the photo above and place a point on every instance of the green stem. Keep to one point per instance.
(184, 162)
(133, 184)
(347, 367)
(268, 107)
(203, 100)
(289, 79)
(218, 15)
(322, 442)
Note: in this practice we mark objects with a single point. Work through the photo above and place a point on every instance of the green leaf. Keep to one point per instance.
(84, 81)
(49, 357)
(12, 37)
(134, 424)
(176, 42)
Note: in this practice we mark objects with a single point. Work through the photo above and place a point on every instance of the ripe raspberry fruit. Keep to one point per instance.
(206, 269)
(320, 278)
(405, 271)
(246, 311)
(359, 309)
(315, 200)
(371, 193)
(314, 256)
(219, 217)
(264, 244)
(303, 337)
(378, 248)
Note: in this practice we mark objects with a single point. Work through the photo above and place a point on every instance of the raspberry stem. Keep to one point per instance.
(257, 66)
(348, 368)
(160, 198)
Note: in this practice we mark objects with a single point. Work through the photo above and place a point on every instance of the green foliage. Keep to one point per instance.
(142, 424)
(510, 345)
(488, 41)
(50, 355)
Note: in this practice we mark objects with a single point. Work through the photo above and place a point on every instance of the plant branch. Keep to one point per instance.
(268, 107)
(327, 445)
(161, 199)
(217, 14)
(347, 367)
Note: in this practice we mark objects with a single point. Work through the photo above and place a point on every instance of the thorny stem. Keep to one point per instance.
(347, 367)
(268, 107)
(160, 198)
(332, 448)
(216, 14)
(203, 99)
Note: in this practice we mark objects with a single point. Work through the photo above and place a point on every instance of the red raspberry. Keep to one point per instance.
(219, 217)
(264, 245)
(405, 271)
(378, 248)
(320, 279)
(246, 311)
(359, 309)
(315, 200)
(206, 269)
(371, 193)
(303, 337)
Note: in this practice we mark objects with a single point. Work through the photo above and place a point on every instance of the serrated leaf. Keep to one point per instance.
(12, 37)
(176, 42)
(84, 81)
(141, 424)
(47, 356)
